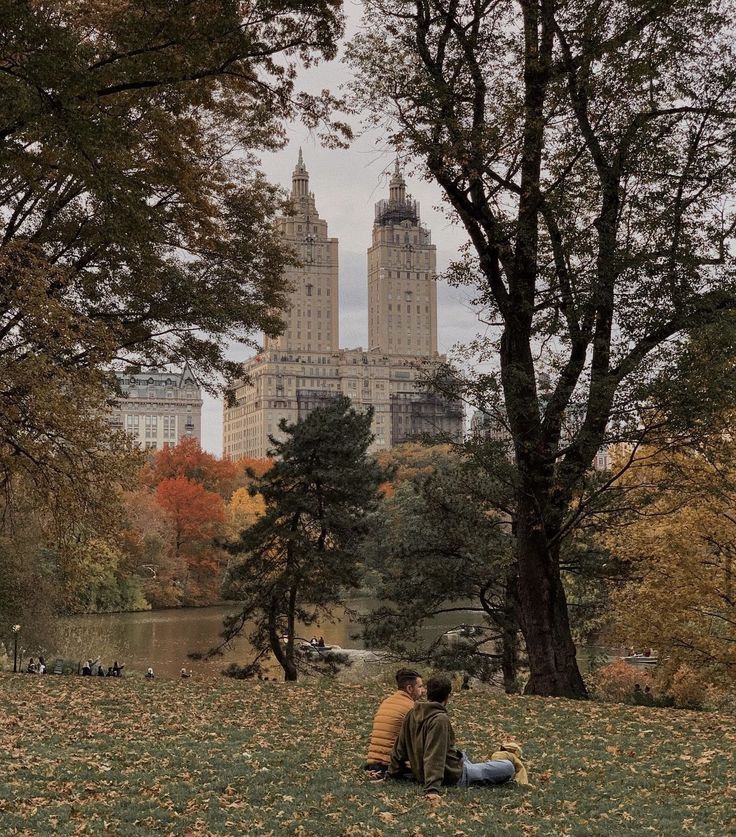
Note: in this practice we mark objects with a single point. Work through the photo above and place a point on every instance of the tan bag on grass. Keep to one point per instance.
(511, 751)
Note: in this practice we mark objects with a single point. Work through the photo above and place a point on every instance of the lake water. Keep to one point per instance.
(163, 639)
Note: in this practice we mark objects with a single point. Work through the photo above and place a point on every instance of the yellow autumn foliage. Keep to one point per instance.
(243, 510)
(680, 549)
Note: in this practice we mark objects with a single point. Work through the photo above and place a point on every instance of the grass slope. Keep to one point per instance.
(223, 757)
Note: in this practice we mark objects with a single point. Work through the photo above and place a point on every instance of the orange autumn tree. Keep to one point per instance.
(205, 501)
(680, 546)
(197, 516)
(187, 459)
(146, 542)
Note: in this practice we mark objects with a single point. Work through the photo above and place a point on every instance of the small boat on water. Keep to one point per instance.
(641, 659)
(336, 653)
(310, 646)
(465, 631)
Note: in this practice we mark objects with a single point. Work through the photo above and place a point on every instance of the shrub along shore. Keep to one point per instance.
(225, 757)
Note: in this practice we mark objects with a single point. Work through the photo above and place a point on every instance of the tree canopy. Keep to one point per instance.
(587, 150)
(438, 544)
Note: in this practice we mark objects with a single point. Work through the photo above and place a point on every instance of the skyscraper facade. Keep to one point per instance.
(304, 367)
(312, 321)
(402, 278)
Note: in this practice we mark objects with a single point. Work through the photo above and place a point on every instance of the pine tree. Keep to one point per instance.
(300, 557)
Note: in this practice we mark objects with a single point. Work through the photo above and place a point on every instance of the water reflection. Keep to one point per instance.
(162, 639)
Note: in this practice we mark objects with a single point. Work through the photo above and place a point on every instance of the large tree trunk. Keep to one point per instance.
(545, 623)
(510, 635)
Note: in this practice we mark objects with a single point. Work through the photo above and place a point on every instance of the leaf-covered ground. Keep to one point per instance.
(129, 757)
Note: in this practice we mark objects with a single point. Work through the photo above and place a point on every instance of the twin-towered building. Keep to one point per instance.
(304, 367)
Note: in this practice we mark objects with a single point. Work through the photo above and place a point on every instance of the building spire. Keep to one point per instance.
(397, 185)
(300, 178)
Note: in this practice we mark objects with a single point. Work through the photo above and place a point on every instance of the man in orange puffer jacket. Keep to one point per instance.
(389, 717)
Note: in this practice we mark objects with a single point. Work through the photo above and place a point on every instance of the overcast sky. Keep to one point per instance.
(347, 184)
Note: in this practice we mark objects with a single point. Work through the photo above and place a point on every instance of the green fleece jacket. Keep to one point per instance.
(427, 741)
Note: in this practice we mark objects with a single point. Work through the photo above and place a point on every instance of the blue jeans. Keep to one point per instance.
(485, 772)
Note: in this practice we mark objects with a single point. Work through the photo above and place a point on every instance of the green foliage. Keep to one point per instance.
(59, 554)
(689, 395)
(437, 543)
(95, 579)
(298, 559)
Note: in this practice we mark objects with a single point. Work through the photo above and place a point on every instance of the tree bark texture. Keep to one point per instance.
(546, 626)
(284, 654)
(510, 635)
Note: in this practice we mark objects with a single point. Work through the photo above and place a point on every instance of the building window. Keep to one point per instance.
(151, 427)
(169, 427)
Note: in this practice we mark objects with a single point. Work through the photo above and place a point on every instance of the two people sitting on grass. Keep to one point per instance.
(427, 741)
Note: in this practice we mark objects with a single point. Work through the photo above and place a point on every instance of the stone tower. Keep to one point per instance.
(312, 320)
(402, 281)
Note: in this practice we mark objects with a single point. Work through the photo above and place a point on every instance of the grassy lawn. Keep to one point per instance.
(224, 757)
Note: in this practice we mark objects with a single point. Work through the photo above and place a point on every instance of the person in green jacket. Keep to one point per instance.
(427, 741)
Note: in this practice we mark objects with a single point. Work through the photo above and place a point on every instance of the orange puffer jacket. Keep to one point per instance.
(386, 726)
